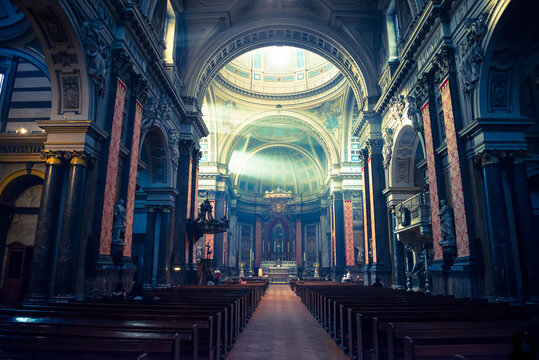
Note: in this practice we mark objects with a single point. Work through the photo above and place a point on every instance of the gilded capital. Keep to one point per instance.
(52, 157)
(80, 158)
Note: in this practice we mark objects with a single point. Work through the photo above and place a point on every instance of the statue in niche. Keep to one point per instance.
(199, 251)
(118, 233)
(449, 241)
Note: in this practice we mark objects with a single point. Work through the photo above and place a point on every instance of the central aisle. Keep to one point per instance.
(283, 328)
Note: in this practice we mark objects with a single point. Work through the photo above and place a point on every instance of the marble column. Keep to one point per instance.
(162, 252)
(68, 251)
(381, 264)
(180, 212)
(340, 241)
(528, 246)
(43, 253)
(149, 246)
(501, 252)
(364, 155)
(219, 212)
(398, 256)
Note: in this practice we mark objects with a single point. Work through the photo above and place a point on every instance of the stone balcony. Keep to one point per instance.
(413, 220)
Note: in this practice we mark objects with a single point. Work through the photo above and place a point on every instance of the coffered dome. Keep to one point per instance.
(278, 70)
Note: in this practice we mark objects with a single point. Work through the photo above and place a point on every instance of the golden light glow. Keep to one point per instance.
(22, 131)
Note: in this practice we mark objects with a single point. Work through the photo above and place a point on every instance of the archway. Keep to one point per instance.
(153, 205)
(20, 195)
(352, 61)
(60, 36)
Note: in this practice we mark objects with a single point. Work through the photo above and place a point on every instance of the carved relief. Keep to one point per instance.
(472, 55)
(443, 63)
(121, 64)
(402, 170)
(387, 135)
(413, 113)
(141, 88)
(173, 145)
(97, 54)
(53, 27)
(396, 108)
(498, 92)
(375, 146)
(70, 92)
(156, 112)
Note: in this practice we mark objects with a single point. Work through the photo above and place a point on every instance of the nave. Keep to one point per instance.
(282, 328)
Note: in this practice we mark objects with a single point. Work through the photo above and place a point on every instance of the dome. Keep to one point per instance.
(278, 70)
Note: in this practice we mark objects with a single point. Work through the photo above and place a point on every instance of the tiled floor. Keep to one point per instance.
(282, 328)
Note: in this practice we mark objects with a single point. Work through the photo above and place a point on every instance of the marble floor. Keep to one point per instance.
(282, 328)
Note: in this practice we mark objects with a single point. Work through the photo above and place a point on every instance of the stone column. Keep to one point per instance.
(68, 251)
(381, 265)
(219, 212)
(528, 246)
(299, 247)
(43, 254)
(162, 252)
(179, 253)
(398, 256)
(364, 155)
(501, 252)
(149, 246)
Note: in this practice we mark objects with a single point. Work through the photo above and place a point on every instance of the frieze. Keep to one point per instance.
(429, 49)
(22, 149)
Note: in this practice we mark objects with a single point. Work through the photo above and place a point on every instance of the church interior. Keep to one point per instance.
(179, 179)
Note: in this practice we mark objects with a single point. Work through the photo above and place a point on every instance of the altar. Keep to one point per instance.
(278, 274)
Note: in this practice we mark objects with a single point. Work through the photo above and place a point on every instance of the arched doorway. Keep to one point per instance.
(20, 196)
(154, 202)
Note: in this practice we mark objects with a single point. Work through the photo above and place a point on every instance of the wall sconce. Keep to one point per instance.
(22, 131)
(176, 268)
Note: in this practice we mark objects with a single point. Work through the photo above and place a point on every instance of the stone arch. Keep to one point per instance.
(19, 190)
(403, 158)
(317, 131)
(155, 154)
(351, 59)
(59, 33)
(503, 76)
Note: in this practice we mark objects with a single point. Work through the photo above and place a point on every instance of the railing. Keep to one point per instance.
(413, 212)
